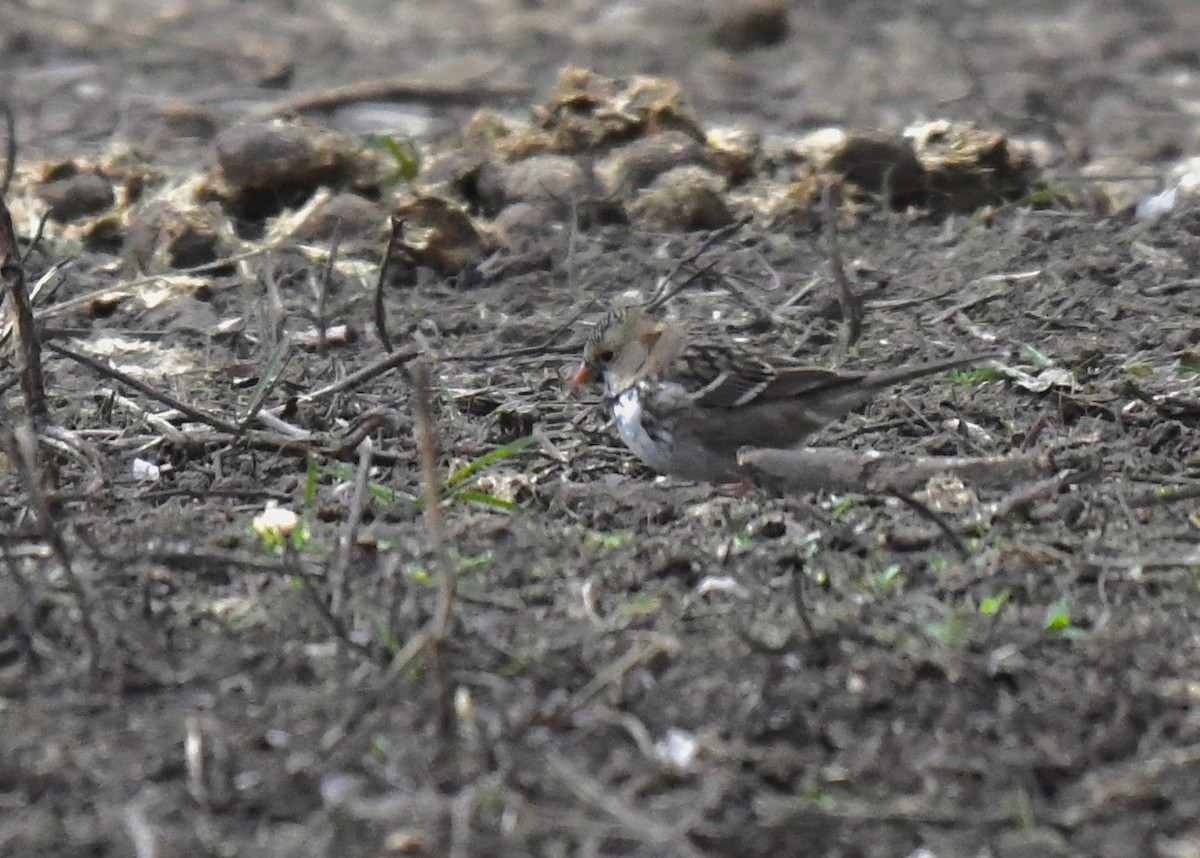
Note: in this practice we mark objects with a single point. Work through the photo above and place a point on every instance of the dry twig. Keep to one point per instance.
(321, 287)
(107, 371)
(812, 469)
(270, 377)
(391, 89)
(349, 535)
(446, 573)
(851, 304)
(431, 489)
(365, 374)
(10, 146)
(275, 310)
(936, 519)
(664, 291)
(673, 840)
(26, 620)
(24, 450)
(28, 348)
(380, 312)
(616, 671)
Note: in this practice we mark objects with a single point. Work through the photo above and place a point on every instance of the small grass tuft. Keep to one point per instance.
(990, 605)
(951, 630)
(405, 155)
(1058, 616)
(885, 580)
(1058, 622)
(456, 488)
(841, 506)
(1038, 359)
(606, 540)
(975, 375)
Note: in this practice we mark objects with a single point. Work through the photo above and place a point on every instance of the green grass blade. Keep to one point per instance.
(500, 453)
(268, 378)
(474, 496)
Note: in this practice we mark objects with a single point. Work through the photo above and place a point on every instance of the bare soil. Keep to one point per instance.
(634, 666)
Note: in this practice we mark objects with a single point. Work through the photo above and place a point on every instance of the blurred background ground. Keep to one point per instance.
(633, 673)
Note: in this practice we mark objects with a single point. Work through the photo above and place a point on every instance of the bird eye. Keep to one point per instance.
(604, 355)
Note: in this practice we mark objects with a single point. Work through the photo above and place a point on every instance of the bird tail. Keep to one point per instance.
(888, 377)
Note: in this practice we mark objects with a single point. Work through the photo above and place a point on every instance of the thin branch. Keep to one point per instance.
(341, 561)
(37, 235)
(799, 587)
(636, 822)
(447, 574)
(324, 608)
(391, 89)
(663, 292)
(616, 671)
(29, 351)
(431, 490)
(271, 376)
(851, 304)
(24, 450)
(937, 519)
(126, 288)
(380, 312)
(1164, 495)
(276, 312)
(363, 375)
(511, 354)
(812, 469)
(27, 619)
(10, 146)
(107, 371)
(322, 289)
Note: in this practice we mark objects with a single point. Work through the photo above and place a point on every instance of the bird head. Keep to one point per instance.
(625, 347)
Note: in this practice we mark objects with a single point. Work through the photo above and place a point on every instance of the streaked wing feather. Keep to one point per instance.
(791, 382)
(723, 378)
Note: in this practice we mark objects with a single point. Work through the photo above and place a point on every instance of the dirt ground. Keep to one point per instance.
(634, 666)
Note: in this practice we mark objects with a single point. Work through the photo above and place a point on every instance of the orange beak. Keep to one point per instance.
(584, 375)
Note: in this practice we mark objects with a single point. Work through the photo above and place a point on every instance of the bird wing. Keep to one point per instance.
(794, 382)
(722, 377)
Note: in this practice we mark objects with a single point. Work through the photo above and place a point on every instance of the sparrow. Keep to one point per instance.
(685, 408)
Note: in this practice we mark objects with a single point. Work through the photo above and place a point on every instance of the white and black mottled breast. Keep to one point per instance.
(642, 433)
(654, 421)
